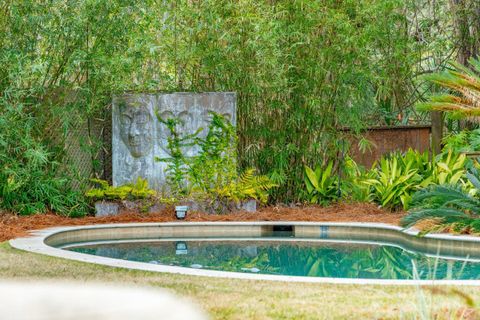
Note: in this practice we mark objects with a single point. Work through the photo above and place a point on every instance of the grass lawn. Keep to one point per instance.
(244, 299)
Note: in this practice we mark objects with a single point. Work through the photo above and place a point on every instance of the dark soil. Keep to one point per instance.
(12, 226)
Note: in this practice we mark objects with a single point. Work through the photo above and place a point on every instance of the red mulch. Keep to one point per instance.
(12, 226)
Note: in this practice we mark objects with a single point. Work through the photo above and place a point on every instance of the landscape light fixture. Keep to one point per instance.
(181, 212)
(181, 247)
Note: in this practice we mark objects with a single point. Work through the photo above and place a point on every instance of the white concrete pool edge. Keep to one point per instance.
(36, 244)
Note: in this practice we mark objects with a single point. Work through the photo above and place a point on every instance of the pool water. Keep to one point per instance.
(294, 258)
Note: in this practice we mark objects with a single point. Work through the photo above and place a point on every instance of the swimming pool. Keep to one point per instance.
(289, 257)
(288, 251)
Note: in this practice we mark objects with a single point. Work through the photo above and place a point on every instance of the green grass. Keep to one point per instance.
(244, 299)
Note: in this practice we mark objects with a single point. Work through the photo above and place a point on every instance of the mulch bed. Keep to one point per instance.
(12, 226)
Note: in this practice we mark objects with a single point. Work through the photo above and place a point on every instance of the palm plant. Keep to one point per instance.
(464, 84)
(448, 206)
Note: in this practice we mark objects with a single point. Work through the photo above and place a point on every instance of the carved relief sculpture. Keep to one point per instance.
(138, 137)
(136, 126)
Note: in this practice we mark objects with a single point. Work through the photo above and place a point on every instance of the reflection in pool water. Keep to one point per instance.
(313, 259)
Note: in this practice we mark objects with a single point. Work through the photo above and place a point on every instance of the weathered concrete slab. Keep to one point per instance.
(138, 137)
(104, 209)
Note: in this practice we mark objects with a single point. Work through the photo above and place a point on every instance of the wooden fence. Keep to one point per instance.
(388, 139)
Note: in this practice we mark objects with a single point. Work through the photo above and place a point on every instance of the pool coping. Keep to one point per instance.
(36, 244)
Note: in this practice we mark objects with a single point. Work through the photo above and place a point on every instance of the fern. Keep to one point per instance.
(248, 186)
(139, 190)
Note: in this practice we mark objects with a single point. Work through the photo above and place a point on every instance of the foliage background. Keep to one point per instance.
(301, 69)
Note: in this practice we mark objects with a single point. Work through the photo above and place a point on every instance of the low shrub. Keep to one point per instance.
(449, 168)
(131, 191)
(321, 184)
(395, 177)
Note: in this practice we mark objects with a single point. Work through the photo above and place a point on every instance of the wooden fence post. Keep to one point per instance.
(437, 131)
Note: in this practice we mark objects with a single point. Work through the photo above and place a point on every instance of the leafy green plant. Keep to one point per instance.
(212, 173)
(417, 160)
(447, 206)
(178, 165)
(365, 145)
(352, 184)
(321, 184)
(450, 168)
(463, 141)
(131, 191)
(215, 166)
(395, 178)
(464, 83)
(31, 179)
(247, 186)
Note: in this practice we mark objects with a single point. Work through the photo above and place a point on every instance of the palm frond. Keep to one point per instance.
(435, 213)
(473, 178)
(464, 85)
(441, 195)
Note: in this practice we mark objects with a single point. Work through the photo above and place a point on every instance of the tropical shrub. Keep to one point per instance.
(321, 184)
(447, 207)
(212, 173)
(394, 179)
(131, 191)
(418, 160)
(352, 183)
(390, 182)
(449, 169)
(463, 141)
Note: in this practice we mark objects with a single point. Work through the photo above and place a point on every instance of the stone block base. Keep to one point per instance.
(113, 208)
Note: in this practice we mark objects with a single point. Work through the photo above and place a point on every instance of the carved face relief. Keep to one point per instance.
(136, 129)
(207, 119)
(184, 127)
(163, 131)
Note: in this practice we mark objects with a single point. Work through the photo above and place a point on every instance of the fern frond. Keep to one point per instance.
(102, 183)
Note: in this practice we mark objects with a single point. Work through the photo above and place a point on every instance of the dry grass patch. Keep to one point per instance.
(245, 299)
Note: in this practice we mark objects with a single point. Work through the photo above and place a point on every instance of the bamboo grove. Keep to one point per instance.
(302, 70)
